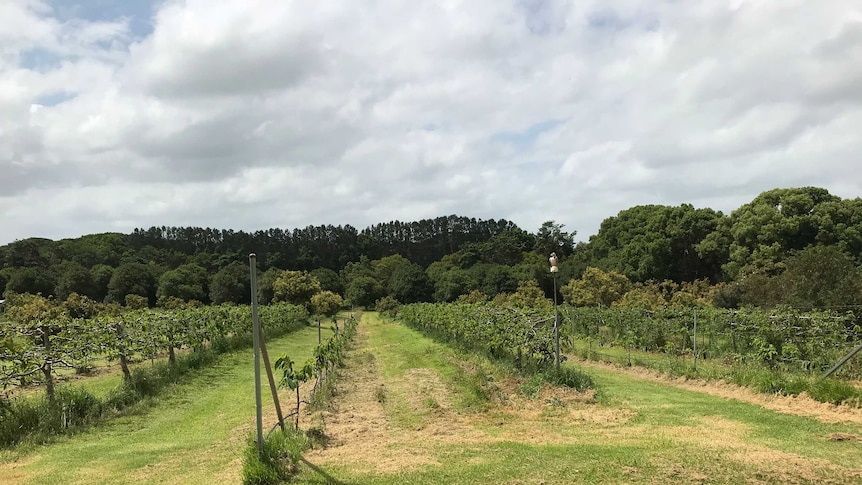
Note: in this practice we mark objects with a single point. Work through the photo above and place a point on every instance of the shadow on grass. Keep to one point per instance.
(329, 478)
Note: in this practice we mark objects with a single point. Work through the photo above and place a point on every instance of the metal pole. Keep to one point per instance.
(272, 388)
(842, 361)
(556, 324)
(318, 332)
(255, 330)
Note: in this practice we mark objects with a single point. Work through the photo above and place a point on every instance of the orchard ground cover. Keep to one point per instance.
(194, 433)
(409, 409)
(413, 410)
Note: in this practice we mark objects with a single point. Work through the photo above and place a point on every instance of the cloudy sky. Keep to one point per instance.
(284, 113)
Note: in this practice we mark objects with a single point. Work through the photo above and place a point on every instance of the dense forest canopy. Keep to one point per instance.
(798, 246)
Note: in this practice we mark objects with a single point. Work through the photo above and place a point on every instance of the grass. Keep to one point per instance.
(276, 461)
(751, 375)
(399, 353)
(637, 432)
(194, 433)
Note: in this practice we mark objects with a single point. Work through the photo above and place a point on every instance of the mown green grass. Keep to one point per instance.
(756, 376)
(398, 349)
(670, 434)
(194, 433)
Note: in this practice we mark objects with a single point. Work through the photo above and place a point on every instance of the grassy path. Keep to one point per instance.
(193, 435)
(412, 410)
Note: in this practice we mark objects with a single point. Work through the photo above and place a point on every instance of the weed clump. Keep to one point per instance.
(277, 460)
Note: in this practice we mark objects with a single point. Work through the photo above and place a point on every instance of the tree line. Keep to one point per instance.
(797, 246)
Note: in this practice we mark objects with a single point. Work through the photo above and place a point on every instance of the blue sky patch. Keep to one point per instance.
(54, 98)
(138, 12)
(40, 59)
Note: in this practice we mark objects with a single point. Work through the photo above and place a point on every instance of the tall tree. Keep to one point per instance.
(231, 284)
(762, 233)
(655, 242)
(74, 278)
(132, 279)
(187, 282)
(551, 238)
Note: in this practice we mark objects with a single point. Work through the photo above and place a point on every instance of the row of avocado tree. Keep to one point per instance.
(520, 333)
(326, 356)
(799, 339)
(38, 335)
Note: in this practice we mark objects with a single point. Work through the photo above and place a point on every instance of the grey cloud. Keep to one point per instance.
(250, 115)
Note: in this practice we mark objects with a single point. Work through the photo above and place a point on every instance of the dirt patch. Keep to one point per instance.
(778, 466)
(801, 405)
(844, 437)
(12, 473)
(728, 438)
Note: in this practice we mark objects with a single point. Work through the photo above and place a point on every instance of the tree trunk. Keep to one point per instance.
(49, 380)
(172, 358)
(124, 365)
(47, 367)
(124, 362)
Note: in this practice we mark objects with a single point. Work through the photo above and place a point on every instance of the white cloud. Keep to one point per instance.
(254, 114)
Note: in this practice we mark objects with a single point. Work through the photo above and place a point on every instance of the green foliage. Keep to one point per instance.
(646, 296)
(451, 284)
(523, 334)
(132, 279)
(384, 268)
(474, 296)
(74, 278)
(70, 409)
(596, 288)
(363, 291)
(231, 284)
(326, 356)
(409, 284)
(329, 280)
(290, 376)
(760, 235)
(569, 377)
(187, 282)
(101, 275)
(820, 276)
(135, 302)
(277, 460)
(34, 281)
(295, 287)
(529, 295)
(494, 279)
(551, 238)
(508, 247)
(266, 285)
(78, 306)
(326, 303)
(782, 338)
(655, 242)
(388, 306)
(49, 337)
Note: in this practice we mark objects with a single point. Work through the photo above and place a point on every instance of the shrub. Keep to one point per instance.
(569, 377)
(388, 306)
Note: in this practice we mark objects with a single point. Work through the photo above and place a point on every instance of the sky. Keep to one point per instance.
(254, 114)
